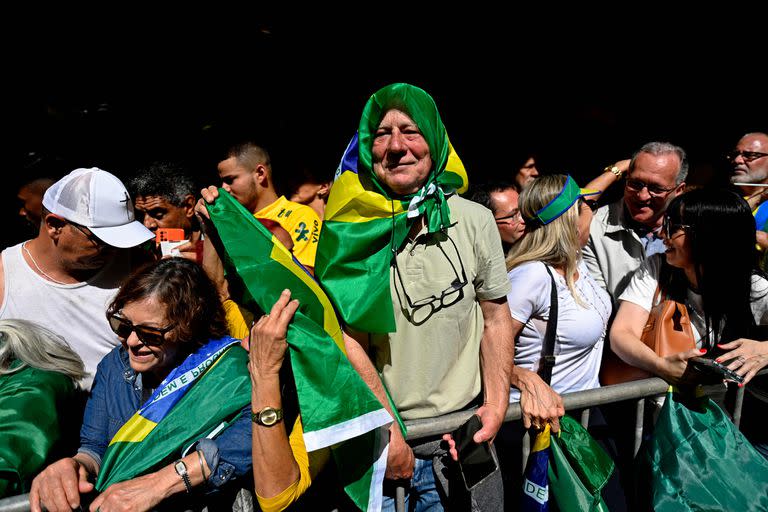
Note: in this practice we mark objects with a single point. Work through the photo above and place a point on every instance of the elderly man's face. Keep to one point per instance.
(746, 163)
(651, 186)
(401, 158)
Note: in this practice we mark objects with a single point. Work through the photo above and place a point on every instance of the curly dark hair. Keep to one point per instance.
(190, 298)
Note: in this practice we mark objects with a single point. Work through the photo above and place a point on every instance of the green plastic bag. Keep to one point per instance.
(579, 468)
(700, 461)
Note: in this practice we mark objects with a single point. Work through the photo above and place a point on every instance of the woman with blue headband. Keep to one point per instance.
(557, 222)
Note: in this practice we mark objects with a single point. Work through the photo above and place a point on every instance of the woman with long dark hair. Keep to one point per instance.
(710, 265)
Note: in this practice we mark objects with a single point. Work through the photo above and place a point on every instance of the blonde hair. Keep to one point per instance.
(37, 347)
(556, 243)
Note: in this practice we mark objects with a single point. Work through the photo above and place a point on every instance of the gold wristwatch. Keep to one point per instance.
(268, 416)
(615, 170)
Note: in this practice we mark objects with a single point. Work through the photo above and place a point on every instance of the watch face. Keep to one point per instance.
(180, 467)
(268, 416)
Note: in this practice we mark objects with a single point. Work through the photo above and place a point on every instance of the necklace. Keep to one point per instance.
(24, 246)
(596, 293)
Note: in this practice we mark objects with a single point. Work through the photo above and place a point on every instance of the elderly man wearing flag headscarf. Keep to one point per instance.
(417, 274)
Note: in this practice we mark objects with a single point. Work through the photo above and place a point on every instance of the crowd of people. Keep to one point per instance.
(450, 298)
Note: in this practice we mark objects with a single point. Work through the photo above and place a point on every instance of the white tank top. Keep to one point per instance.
(75, 311)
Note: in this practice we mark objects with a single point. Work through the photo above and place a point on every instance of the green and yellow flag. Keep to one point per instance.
(364, 222)
(207, 390)
(337, 407)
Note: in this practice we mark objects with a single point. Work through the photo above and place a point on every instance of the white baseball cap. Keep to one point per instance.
(99, 201)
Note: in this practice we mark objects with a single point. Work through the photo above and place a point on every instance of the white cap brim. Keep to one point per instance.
(125, 236)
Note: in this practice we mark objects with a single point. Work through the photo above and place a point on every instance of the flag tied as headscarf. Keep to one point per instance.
(364, 221)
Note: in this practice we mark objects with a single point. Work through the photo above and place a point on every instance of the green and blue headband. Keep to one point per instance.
(560, 204)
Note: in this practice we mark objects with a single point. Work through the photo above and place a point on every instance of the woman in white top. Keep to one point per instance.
(557, 224)
(557, 219)
(710, 265)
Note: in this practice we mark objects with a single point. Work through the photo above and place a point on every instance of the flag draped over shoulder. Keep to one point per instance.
(336, 405)
(700, 461)
(210, 387)
(364, 221)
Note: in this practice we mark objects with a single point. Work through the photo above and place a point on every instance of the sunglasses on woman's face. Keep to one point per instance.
(149, 336)
(670, 228)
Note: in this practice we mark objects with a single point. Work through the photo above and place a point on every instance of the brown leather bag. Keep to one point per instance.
(667, 331)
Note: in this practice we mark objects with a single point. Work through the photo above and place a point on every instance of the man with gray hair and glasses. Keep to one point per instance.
(749, 170)
(624, 233)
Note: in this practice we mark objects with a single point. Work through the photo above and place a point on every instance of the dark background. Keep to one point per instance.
(584, 90)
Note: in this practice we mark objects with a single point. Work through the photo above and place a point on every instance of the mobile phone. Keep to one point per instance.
(169, 239)
(476, 461)
(169, 235)
(712, 367)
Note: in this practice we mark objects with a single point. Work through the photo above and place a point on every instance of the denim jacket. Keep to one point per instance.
(116, 396)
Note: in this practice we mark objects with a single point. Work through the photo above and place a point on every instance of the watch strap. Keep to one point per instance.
(256, 416)
(181, 470)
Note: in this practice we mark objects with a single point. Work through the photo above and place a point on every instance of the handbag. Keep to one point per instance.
(667, 331)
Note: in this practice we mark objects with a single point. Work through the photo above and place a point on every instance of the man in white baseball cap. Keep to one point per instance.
(65, 277)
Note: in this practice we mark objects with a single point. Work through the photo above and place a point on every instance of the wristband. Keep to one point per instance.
(202, 467)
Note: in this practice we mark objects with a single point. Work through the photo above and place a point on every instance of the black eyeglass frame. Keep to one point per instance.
(653, 190)
(456, 286)
(667, 224)
(517, 214)
(748, 156)
(148, 336)
(591, 203)
(88, 234)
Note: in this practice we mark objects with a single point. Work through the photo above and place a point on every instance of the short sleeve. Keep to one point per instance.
(643, 284)
(530, 292)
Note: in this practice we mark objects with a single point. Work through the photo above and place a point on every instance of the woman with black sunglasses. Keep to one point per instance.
(710, 265)
(168, 411)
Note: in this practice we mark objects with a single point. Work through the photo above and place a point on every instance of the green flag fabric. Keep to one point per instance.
(30, 402)
(208, 389)
(364, 221)
(337, 408)
(700, 461)
(579, 468)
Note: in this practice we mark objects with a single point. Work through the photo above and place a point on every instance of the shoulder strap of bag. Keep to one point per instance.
(548, 358)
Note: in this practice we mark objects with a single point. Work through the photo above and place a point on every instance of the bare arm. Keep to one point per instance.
(607, 178)
(496, 362)
(400, 459)
(538, 401)
(626, 343)
(274, 466)
(145, 492)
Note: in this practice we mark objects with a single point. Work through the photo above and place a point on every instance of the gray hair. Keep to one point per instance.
(664, 148)
(37, 347)
(165, 179)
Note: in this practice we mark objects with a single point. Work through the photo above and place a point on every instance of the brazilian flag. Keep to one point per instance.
(337, 407)
(208, 389)
(364, 222)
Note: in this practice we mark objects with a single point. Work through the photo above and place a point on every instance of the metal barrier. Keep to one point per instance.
(418, 429)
